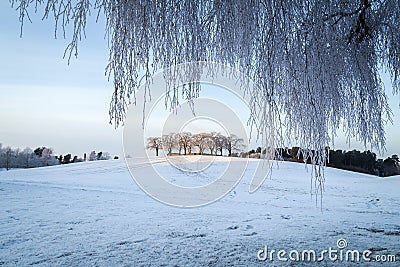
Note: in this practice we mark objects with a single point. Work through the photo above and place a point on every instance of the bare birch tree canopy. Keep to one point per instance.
(317, 64)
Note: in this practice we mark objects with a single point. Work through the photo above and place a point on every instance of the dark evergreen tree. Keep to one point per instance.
(38, 151)
(67, 159)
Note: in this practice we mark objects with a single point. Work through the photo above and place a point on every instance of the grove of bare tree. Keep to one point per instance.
(185, 142)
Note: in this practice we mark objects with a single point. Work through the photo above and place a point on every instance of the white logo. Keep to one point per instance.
(134, 135)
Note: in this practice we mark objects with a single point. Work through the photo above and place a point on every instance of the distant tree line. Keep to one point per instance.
(186, 143)
(42, 156)
(27, 158)
(354, 160)
(67, 159)
(365, 162)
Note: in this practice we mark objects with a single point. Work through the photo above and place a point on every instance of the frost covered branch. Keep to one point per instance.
(316, 64)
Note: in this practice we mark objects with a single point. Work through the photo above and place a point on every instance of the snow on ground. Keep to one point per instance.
(93, 214)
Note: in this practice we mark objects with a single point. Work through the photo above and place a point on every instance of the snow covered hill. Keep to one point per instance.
(93, 214)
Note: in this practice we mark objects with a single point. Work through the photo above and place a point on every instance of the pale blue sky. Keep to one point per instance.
(46, 102)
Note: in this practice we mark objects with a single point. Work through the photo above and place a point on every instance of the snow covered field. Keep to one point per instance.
(93, 213)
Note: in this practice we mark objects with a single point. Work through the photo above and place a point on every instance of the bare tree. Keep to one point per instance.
(8, 154)
(2, 157)
(92, 156)
(185, 141)
(27, 155)
(179, 143)
(200, 140)
(219, 141)
(154, 143)
(210, 144)
(233, 143)
(169, 142)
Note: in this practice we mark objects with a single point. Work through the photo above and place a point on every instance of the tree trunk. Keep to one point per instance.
(8, 160)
